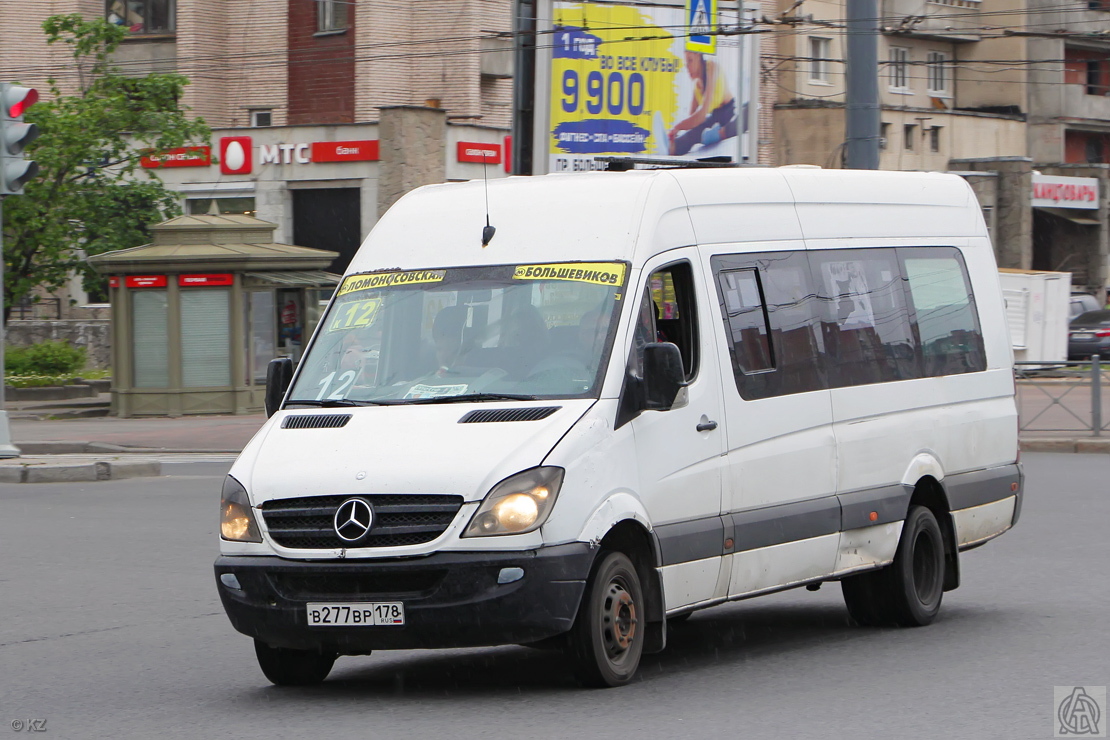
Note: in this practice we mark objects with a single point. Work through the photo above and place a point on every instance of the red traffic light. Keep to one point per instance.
(18, 99)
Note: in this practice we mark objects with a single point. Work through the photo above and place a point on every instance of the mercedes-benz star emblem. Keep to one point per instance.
(353, 519)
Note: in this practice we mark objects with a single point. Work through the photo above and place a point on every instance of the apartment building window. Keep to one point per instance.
(937, 66)
(884, 135)
(819, 59)
(898, 69)
(934, 138)
(1096, 78)
(909, 130)
(1095, 150)
(143, 16)
(262, 117)
(331, 16)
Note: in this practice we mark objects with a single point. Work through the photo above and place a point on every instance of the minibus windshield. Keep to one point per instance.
(464, 334)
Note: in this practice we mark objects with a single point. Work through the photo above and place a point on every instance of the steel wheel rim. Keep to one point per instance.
(619, 619)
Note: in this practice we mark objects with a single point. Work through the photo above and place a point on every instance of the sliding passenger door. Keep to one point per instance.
(781, 476)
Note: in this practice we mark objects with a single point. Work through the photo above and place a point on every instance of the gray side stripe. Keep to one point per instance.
(695, 540)
(890, 503)
(683, 542)
(982, 486)
(774, 525)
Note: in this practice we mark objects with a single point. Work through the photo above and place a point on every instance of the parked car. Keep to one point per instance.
(1089, 334)
(1081, 303)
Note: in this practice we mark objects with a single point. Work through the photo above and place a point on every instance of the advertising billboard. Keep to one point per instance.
(649, 81)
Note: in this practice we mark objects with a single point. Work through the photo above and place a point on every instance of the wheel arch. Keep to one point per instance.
(630, 537)
(929, 492)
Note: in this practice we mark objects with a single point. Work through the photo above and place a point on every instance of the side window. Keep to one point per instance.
(767, 304)
(864, 319)
(944, 308)
(668, 313)
(746, 322)
(675, 309)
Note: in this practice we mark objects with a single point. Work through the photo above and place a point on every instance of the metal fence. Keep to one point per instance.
(1063, 396)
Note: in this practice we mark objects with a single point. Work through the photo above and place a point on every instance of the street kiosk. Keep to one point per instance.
(198, 314)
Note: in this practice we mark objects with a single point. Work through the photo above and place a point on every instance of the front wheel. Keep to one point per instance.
(908, 592)
(608, 634)
(288, 667)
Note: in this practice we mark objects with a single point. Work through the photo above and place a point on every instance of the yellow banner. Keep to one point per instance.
(368, 281)
(601, 273)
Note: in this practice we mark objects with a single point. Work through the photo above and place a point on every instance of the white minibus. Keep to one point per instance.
(637, 395)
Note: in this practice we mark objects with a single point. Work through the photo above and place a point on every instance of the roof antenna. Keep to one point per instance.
(487, 231)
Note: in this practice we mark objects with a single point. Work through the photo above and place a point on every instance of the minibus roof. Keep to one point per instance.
(633, 215)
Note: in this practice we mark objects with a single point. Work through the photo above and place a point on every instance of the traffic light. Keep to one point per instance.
(14, 136)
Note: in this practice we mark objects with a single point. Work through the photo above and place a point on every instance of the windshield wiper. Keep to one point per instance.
(329, 403)
(474, 397)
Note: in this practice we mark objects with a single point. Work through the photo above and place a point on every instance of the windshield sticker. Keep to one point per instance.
(436, 391)
(600, 273)
(356, 314)
(351, 283)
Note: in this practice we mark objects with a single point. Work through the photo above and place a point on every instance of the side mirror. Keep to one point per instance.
(278, 374)
(664, 376)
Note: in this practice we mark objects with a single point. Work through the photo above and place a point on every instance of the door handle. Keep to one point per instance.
(706, 426)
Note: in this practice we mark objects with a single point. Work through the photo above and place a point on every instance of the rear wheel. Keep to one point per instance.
(608, 634)
(908, 592)
(288, 667)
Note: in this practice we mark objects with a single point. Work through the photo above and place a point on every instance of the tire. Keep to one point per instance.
(288, 667)
(608, 634)
(909, 591)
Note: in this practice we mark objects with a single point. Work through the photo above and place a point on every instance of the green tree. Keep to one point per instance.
(91, 194)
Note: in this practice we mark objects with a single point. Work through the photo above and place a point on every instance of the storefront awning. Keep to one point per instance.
(1083, 218)
(298, 278)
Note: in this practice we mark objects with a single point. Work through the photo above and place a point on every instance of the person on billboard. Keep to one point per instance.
(712, 108)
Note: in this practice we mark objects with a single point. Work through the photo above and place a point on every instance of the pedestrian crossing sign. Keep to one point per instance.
(701, 22)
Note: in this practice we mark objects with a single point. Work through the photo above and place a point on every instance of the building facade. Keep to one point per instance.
(1013, 94)
(328, 109)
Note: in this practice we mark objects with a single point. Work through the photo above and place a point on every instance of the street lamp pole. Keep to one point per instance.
(7, 449)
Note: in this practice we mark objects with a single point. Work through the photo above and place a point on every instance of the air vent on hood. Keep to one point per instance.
(527, 414)
(315, 421)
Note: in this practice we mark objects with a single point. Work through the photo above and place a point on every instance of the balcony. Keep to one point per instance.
(955, 21)
(1078, 104)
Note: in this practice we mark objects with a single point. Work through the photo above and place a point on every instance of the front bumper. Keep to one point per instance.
(452, 599)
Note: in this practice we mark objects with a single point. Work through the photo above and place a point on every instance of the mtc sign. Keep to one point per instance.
(1065, 192)
(237, 153)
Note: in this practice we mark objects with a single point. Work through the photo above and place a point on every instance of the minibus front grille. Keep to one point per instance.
(302, 587)
(309, 522)
(315, 421)
(532, 413)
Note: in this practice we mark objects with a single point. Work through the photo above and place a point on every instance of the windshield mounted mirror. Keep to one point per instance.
(278, 374)
(664, 375)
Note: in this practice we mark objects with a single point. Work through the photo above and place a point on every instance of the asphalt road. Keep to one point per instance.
(110, 627)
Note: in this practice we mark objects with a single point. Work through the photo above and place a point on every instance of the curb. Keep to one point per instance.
(76, 472)
(1065, 444)
(33, 449)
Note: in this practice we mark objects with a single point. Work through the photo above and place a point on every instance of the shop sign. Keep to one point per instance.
(470, 151)
(345, 151)
(145, 281)
(192, 281)
(182, 156)
(1065, 192)
(236, 157)
(113, 282)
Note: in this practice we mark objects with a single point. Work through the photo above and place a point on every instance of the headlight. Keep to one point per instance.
(518, 504)
(236, 516)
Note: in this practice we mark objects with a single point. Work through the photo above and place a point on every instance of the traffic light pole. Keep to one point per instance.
(7, 449)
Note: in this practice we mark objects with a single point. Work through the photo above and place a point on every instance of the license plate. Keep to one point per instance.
(1082, 337)
(363, 614)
